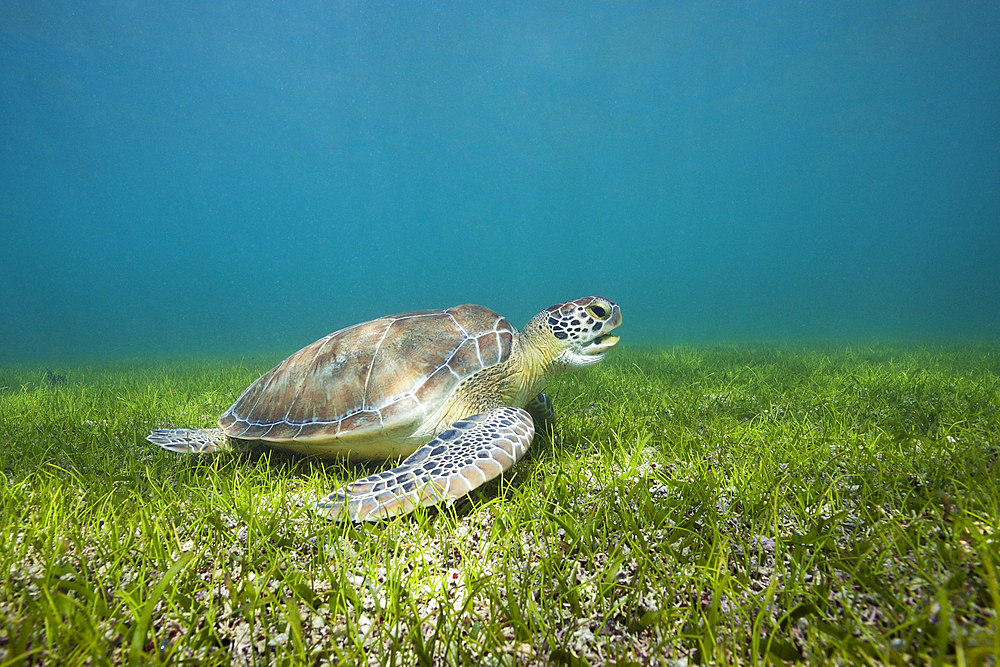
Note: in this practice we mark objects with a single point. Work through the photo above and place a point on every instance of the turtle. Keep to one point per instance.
(457, 392)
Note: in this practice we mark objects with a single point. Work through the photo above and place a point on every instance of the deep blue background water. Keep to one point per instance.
(218, 177)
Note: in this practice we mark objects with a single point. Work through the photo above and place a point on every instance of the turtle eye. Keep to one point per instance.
(600, 312)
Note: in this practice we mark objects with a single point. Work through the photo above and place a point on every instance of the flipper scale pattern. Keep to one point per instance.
(468, 454)
(190, 440)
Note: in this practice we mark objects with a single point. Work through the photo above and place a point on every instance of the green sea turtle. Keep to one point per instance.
(446, 388)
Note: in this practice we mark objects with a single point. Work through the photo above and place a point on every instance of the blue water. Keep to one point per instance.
(220, 177)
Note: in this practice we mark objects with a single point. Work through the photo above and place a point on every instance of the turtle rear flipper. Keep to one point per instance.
(190, 440)
(468, 454)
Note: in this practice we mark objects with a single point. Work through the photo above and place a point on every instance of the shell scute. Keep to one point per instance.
(330, 372)
(489, 348)
(364, 420)
(440, 382)
(246, 430)
(402, 416)
(506, 339)
(474, 319)
(227, 420)
(315, 431)
(466, 361)
(280, 432)
(410, 348)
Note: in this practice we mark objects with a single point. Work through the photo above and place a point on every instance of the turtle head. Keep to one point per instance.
(576, 333)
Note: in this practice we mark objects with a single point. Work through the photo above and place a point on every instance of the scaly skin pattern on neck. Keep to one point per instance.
(533, 360)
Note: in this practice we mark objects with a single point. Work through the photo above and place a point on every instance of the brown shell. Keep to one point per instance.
(382, 378)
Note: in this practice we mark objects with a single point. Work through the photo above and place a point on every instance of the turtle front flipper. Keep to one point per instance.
(190, 440)
(465, 456)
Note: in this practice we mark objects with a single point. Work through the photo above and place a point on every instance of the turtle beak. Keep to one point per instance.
(600, 345)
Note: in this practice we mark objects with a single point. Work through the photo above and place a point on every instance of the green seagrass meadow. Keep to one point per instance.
(694, 505)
